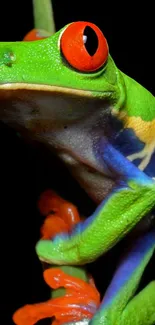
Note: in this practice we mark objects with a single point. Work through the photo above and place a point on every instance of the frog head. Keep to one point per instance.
(62, 90)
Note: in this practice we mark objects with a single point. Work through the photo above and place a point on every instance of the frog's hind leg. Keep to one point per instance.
(119, 306)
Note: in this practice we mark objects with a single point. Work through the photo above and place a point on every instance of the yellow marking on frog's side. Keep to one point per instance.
(145, 132)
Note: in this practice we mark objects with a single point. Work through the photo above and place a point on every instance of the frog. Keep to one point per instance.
(66, 91)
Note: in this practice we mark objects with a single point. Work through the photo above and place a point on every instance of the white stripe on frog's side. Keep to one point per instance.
(145, 155)
(145, 132)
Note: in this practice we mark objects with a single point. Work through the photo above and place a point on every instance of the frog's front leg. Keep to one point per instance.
(120, 306)
(132, 198)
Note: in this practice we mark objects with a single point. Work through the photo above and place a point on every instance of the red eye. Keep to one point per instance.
(84, 46)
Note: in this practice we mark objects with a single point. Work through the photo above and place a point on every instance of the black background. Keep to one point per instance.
(26, 170)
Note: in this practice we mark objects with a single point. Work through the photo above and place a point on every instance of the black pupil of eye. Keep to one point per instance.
(91, 42)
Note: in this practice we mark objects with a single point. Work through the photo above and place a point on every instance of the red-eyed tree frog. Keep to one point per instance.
(67, 91)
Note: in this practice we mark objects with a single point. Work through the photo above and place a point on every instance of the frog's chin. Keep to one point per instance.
(61, 117)
(43, 108)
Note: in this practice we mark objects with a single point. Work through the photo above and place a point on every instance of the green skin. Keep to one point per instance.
(41, 93)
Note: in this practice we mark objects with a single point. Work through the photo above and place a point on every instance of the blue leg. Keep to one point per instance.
(119, 305)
